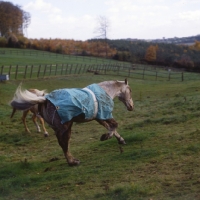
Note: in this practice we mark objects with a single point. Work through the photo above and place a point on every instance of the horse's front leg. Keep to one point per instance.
(111, 125)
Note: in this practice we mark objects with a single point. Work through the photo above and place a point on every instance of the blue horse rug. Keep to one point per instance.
(73, 102)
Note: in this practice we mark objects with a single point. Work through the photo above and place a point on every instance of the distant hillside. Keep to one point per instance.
(184, 40)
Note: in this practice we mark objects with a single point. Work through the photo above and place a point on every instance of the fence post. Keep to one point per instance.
(10, 71)
(61, 70)
(2, 69)
(56, 69)
(71, 69)
(50, 70)
(129, 70)
(76, 69)
(25, 72)
(38, 71)
(66, 69)
(143, 72)
(80, 69)
(16, 72)
(45, 67)
(31, 71)
(105, 69)
(84, 69)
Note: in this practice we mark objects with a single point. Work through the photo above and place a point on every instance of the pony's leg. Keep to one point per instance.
(24, 120)
(63, 137)
(34, 118)
(111, 126)
(46, 134)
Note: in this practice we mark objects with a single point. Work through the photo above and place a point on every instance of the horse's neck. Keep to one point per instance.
(112, 88)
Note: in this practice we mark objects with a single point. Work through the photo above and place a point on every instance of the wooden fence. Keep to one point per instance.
(49, 70)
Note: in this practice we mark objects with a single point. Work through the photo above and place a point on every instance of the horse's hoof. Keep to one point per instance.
(46, 135)
(104, 137)
(74, 163)
(122, 142)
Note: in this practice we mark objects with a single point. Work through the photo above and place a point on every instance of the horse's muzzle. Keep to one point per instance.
(130, 108)
(129, 105)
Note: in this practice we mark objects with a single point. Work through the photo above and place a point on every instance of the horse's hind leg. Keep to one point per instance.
(63, 131)
(111, 126)
(24, 120)
(46, 134)
(63, 137)
(34, 118)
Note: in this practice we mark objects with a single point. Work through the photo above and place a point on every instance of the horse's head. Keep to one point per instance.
(125, 96)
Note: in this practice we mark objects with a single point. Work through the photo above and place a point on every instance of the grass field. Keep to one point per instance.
(25, 64)
(160, 160)
(13, 56)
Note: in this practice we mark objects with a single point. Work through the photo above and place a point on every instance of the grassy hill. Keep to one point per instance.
(160, 160)
(22, 64)
(12, 56)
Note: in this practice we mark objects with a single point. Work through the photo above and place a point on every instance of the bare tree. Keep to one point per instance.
(102, 28)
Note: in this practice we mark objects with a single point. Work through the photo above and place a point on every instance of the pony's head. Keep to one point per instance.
(125, 96)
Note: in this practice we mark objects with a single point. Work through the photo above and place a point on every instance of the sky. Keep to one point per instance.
(141, 19)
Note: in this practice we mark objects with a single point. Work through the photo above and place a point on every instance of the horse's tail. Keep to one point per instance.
(24, 100)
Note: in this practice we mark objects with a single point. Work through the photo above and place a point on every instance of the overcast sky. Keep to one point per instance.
(142, 19)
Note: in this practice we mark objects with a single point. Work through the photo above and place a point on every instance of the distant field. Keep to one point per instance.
(10, 56)
(26, 64)
(160, 160)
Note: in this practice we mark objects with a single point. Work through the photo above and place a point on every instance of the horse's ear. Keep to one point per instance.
(126, 81)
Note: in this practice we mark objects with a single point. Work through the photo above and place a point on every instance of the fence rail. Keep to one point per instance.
(49, 70)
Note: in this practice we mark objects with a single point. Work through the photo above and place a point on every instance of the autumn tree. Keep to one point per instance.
(151, 53)
(12, 19)
(196, 45)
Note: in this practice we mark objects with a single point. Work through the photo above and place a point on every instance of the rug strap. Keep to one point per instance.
(94, 99)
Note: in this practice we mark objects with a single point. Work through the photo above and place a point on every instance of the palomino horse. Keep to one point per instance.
(35, 116)
(62, 107)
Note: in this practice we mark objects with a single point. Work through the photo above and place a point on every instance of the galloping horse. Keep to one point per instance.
(35, 116)
(62, 107)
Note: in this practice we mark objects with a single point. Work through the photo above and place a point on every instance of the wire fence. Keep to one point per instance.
(19, 72)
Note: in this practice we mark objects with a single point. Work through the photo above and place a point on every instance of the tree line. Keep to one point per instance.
(170, 55)
(14, 20)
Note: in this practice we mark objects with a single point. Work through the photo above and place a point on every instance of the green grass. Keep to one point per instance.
(35, 57)
(25, 64)
(160, 160)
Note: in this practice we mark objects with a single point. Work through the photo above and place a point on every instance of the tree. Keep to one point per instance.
(13, 19)
(151, 53)
(196, 45)
(102, 29)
